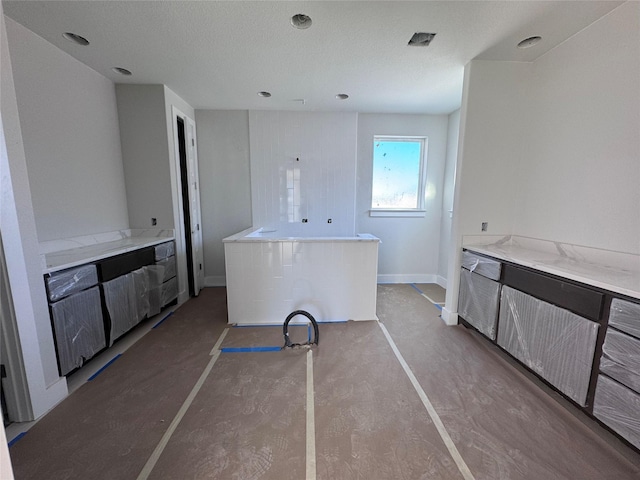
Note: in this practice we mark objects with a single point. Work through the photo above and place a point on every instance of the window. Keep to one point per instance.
(399, 171)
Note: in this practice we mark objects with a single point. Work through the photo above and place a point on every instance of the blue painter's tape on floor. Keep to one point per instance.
(20, 435)
(439, 307)
(250, 349)
(158, 324)
(417, 289)
(104, 367)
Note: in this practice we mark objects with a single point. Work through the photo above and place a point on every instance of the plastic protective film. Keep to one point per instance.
(120, 297)
(165, 250)
(618, 407)
(64, 283)
(556, 344)
(79, 328)
(481, 265)
(478, 302)
(621, 358)
(625, 316)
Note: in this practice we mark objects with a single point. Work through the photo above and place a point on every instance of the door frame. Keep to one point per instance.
(194, 194)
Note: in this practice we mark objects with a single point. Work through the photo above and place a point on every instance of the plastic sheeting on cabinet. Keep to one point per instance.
(618, 407)
(625, 316)
(481, 265)
(121, 301)
(165, 250)
(66, 282)
(478, 302)
(79, 328)
(621, 358)
(169, 265)
(556, 344)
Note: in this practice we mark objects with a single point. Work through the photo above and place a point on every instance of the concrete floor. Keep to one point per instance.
(403, 398)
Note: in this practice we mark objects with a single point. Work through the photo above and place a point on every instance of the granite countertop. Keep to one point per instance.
(613, 271)
(67, 253)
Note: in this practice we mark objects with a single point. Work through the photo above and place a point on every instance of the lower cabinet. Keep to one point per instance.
(553, 342)
(93, 305)
(478, 302)
(78, 328)
(582, 340)
(618, 407)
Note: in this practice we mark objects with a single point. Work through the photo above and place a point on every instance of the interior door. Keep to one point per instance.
(194, 204)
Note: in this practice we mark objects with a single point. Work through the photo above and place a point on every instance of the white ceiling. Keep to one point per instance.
(219, 54)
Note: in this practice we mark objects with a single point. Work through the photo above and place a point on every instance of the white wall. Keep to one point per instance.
(20, 243)
(581, 172)
(319, 186)
(550, 149)
(72, 145)
(410, 246)
(453, 131)
(145, 154)
(223, 158)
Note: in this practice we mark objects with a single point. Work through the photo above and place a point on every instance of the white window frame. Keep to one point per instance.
(420, 210)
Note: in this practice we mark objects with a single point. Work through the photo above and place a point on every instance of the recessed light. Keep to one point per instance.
(301, 21)
(529, 42)
(421, 39)
(75, 38)
(122, 71)
(342, 96)
(264, 94)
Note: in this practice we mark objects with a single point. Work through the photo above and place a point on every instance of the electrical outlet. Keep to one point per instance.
(485, 225)
(154, 221)
(305, 220)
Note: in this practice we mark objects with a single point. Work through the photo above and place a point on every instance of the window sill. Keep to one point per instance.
(397, 213)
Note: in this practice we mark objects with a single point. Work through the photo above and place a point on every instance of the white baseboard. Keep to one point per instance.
(442, 282)
(449, 317)
(215, 281)
(407, 278)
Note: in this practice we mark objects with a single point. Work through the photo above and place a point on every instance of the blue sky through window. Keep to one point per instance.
(396, 173)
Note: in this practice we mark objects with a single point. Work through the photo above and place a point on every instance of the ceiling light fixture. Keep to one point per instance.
(301, 21)
(264, 94)
(529, 42)
(342, 96)
(122, 71)
(421, 39)
(75, 38)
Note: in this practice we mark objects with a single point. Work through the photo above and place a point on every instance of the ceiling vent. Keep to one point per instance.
(301, 21)
(421, 39)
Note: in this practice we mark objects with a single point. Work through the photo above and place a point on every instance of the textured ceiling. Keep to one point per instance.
(219, 54)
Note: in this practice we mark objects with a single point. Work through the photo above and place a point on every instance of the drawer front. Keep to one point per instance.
(66, 282)
(164, 250)
(556, 344)
(618, 407)
(114, 267)
(625, 316)
(169, 265)
(621, 358)
(478, 302)
(583, 301)
(484, 266)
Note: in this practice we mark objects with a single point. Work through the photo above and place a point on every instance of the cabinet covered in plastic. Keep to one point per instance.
(556, 344)
(478, 302)
(618, 407)
(79, 328)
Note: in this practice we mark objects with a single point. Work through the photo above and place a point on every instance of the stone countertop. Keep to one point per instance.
(91, 249)
(613, 271)
(261, 235)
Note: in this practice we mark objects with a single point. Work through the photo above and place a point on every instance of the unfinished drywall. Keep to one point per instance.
(71, 139)
(223, 157)
(409, 248)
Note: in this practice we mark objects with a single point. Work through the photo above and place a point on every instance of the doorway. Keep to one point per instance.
(186, 206)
